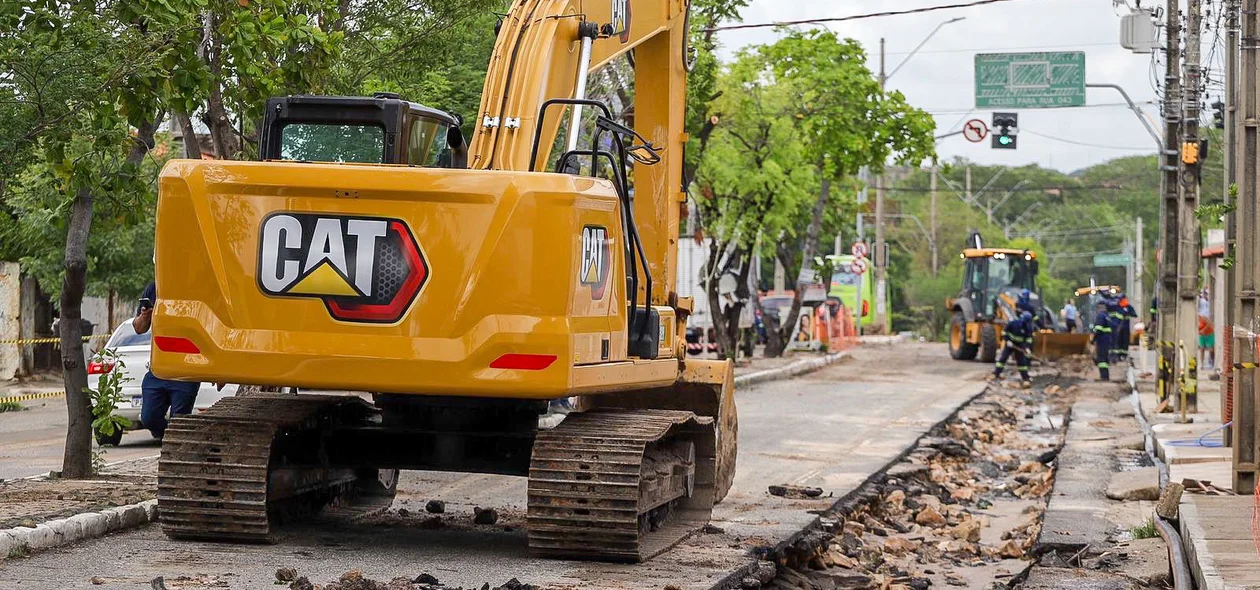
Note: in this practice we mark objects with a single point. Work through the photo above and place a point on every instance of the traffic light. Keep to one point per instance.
(1218, 114)
(1005, 130)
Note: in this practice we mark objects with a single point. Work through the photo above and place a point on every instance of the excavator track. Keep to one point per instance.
(620, 485)
(233, 472)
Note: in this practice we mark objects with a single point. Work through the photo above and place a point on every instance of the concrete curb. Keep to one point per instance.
(791, 370)
(883, 340)
(1193, 540)
(20, 541)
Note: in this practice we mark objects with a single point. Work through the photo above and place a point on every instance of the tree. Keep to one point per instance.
(431, 51)
(799, 115)
(75, 76)
(750, 182)
(232, 56)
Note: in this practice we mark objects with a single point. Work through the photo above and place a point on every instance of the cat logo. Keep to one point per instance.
(594, 269)
(621, 19)
(364, 269)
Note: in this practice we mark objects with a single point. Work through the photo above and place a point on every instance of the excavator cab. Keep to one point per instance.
(381, 129)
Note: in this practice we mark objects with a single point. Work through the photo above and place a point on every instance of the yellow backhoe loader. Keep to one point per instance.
(993, 280)
(465, 287)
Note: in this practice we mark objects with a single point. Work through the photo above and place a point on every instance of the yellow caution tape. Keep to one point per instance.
(1246, 366)
(32, 396)
(51, 340)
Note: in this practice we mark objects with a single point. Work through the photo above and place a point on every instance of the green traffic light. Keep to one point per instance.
(1005, 139)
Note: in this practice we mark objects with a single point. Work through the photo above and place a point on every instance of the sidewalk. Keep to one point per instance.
(1216, 530)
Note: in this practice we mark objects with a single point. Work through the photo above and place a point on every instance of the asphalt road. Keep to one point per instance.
(832, 429)
(32, 441)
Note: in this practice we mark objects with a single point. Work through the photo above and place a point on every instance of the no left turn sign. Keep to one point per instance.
(975, 131)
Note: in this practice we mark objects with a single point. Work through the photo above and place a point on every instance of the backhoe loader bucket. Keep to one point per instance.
(1054, 345)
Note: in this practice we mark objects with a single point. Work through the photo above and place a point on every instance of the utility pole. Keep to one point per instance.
(1168, 217)
(1130, 269)
(968, 184)
(1226, 361)
(1246, 433)
(1139, 268)
(880, 249)
(933, 219)
(1189, 248)
(1138, 294)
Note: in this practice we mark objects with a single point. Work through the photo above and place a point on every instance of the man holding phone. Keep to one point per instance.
(160, 395)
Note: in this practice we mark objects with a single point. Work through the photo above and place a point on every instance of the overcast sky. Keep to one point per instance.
(940, 79)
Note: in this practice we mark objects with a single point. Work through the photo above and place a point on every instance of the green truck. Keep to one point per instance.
(845, 285)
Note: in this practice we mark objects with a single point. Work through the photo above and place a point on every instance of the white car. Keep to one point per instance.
(133, 351)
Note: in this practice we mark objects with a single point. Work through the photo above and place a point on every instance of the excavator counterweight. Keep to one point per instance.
(461, 287)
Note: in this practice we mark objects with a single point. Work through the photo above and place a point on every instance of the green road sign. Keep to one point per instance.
(1030, 80)
(1104, 260)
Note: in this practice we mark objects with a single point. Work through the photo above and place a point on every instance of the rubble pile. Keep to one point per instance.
(969, 496)
(355, 580)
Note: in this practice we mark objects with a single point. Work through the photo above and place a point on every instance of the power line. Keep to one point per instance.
(994, 49)
(954, 111)
(1084, 144)
(815, 21)
(1018, 189)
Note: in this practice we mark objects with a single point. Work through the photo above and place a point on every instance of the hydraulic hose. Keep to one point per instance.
(1182, 580)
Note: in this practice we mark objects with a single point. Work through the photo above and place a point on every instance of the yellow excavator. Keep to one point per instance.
(465, 287)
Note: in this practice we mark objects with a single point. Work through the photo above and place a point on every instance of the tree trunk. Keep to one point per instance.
(775, 343)
(807, 258)
(222, 135)
(720, 322)
(77, 459)
(192, 146)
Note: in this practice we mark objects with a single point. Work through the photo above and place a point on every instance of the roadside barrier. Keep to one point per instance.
(29, 341)
(26, 397)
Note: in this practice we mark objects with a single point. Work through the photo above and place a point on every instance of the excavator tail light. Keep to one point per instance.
(177, 345)
(524, 362)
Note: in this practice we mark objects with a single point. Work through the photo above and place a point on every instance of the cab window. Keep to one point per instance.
(324, 142)
(426, 143)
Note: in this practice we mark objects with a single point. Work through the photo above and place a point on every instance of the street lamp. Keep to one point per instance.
(884, 78)
(881, 272)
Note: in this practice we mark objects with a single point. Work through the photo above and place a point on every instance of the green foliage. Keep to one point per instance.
(10, 406)
(1146, 530)
(790, 115)
(431, 51)
(108, 394)
(1214, 212)
(846, 121)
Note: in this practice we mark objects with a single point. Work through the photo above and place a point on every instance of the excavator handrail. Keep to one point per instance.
(542, 113)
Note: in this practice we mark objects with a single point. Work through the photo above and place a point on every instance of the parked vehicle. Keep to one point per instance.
(132, 351)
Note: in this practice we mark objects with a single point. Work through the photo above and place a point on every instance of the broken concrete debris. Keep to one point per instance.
(791, 491)
(928, 522)
(355, 580)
